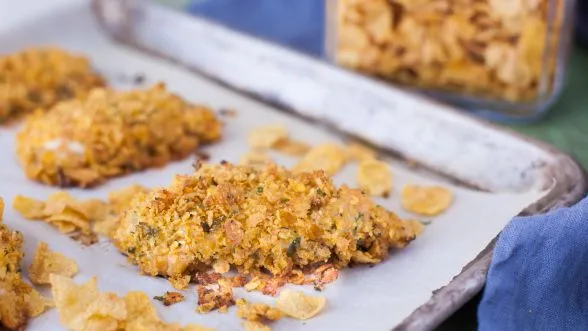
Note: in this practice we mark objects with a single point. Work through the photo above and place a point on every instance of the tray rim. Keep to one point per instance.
(566, 192)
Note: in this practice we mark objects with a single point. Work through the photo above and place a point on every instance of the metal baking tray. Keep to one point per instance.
(495, 173)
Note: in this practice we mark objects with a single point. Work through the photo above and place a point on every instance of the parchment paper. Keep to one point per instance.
(362, 298)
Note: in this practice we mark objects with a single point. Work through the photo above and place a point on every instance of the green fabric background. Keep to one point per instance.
(566, 125)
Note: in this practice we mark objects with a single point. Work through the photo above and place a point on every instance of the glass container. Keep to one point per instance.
(505, 59)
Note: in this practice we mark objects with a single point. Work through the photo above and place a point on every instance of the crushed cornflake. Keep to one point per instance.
(329, 157)
(38, 78)
(291, 147)
(83, 142)
(18, 300)
(497, 49)
(324, 275)
(375, 177)
(255, 158)
(266, 137)
(255, 326)
(206, 278)
(46, 262)
(238, 214)
(82, 220)
(426, 200)
(359, 152)
(83, 307)
(215, 297)
(221, 267)
(169, 298)
(299, 305)
(257, 311)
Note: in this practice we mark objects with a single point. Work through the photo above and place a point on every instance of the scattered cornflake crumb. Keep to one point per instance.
(328, 157)
(426, 200)
(256, 158)
(299, 305)
(218, 297)
(18, 300)
(255, 326)
(359, 152)
(47, 262)
(375, 177)
(324, 275)
(273, 285)
(81, 220)
(83, 307)
(266, 137)
(257, 311)
(180, 282)
(206, 278)
(291, 147)
(221, 267)
(236, 281)
(170, 298)
(254, 284)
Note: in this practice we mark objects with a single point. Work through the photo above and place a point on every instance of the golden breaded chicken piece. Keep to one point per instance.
(256, 220)
(18, 300)
(41, 77)
(83, 142)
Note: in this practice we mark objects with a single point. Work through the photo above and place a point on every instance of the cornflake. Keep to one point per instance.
(495, 49)
(291, 147)
(328, 157)
(83, 142)
(38, 78)
(257, 311)
(426, 200)
(359, 152)
(170, 298)
(255, 326)
(299, 305)
(375, 177)
(267, 136)
(83, 307)
(82, 220)
(18, 300)
(218, 297)
(47, 262)
(238, 214)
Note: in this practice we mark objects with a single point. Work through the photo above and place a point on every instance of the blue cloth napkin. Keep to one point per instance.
(538, 279)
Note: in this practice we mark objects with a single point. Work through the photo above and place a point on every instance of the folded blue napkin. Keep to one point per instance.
(538, 279)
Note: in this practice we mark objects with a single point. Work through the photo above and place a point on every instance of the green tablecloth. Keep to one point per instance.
(566, 125)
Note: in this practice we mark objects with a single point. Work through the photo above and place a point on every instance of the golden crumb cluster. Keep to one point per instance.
(504, 49)
(41, 77)
(85, 141)
(256, 220)
(18, 300)
(83, 307)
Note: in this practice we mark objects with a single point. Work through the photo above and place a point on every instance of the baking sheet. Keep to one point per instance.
(368, 298)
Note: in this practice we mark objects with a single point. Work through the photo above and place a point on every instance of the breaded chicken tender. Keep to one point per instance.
(85, 141)
(258, 221)
(18, 300)
(40, 77)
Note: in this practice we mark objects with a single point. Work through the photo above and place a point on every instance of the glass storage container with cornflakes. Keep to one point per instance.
(503, 58)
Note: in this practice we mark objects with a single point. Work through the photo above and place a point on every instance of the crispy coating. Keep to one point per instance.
(41, 77)
(18, 300)
(257, 220)
(82, 142)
